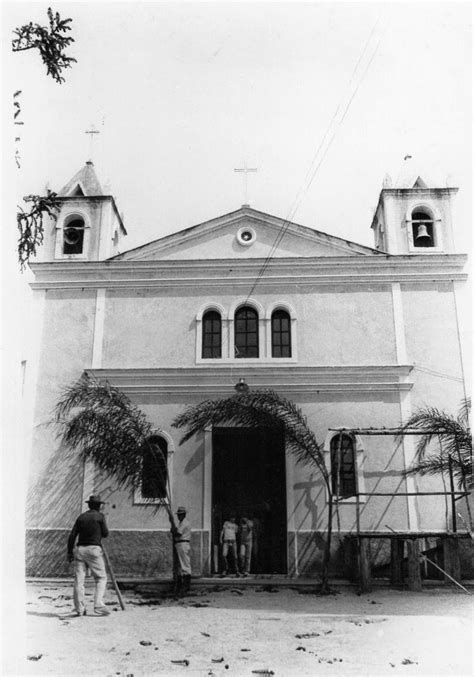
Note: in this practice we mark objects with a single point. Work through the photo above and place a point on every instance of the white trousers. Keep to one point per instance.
(183, 552)
(89, 556)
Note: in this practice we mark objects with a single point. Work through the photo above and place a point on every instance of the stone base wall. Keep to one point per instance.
(149, 554)
(132, 553)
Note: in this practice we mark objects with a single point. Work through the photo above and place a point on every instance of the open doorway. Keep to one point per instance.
(249, 480)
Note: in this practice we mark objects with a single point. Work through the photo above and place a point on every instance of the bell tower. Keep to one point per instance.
(88, 226)
(414, 218)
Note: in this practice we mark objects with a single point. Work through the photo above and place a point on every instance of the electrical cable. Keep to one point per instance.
(310, 175)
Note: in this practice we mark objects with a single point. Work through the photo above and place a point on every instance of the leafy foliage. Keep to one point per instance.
(16, 121)
(103, 424)
(453, 438)
(258, 409)
(30, 224)
(51, 42)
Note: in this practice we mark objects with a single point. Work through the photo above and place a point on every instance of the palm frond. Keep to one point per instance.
(257, 409)
(106, 427)
(464, 415)
(440, 463)
(453, 439)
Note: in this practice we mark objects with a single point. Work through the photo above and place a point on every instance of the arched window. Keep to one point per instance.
(73, 236)
(281, 334)
(246, 332)
(211, 335)
(422, 228)
(343, 469)
(155, 469)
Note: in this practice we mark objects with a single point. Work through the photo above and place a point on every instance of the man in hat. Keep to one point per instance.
(182, 545)
(89, 529)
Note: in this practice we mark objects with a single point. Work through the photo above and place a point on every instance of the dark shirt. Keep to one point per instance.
(90, 527)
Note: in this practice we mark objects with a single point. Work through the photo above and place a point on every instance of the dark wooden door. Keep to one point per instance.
(249, 480)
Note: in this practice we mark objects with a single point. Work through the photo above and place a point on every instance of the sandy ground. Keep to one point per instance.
(252, 631)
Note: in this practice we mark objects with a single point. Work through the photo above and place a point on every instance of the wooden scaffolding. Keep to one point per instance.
(409, 541)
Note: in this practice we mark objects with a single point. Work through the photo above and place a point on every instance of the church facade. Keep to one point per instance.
(355, 336)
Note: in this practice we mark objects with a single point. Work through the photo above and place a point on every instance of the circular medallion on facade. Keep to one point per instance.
(246, 236)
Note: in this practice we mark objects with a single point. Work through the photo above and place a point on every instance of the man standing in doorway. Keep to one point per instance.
(89, 529)
(182, 545)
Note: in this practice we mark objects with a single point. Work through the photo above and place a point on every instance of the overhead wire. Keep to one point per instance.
(317, 161)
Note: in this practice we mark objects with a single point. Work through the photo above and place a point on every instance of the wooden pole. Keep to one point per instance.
(453, 499)
(414, 573)
(446, 574)
(365, 568)
(397, 546)
(114, 580)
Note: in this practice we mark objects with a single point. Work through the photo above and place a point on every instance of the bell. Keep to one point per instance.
(422, 235)
(72, 235)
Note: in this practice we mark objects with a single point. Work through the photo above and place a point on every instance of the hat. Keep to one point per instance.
(94, 499)
(180, 509)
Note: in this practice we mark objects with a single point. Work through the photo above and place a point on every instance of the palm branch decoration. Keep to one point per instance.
(258, 409)
(265, 409)
(103, 424)
(454, 438)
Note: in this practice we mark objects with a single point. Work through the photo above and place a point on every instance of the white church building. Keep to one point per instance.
(357, 337)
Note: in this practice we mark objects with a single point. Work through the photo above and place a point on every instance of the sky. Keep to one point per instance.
(184, 93)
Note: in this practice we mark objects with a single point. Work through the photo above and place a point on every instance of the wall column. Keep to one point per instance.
(408, 443)
(88, 481)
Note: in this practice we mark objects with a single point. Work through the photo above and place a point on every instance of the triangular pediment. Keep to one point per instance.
(243, 234)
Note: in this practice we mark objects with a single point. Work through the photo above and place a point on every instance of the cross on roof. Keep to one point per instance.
(245, 171)
(91, 133)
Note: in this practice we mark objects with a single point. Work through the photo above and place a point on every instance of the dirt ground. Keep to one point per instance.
(251, 631)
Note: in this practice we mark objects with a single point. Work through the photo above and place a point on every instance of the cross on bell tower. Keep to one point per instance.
(92, 131)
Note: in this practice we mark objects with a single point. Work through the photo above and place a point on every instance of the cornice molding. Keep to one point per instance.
(238, 274)
(206, 380)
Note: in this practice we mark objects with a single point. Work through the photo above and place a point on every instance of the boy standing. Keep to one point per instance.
(229, 543)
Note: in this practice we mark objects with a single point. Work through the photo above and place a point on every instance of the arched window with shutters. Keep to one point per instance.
(343, 466)
(281, 333)
(211, 335)
(246, 332)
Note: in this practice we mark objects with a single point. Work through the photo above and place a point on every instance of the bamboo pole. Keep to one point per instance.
(114, 580)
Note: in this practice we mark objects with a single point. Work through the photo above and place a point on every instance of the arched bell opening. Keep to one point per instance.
(423, 229)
